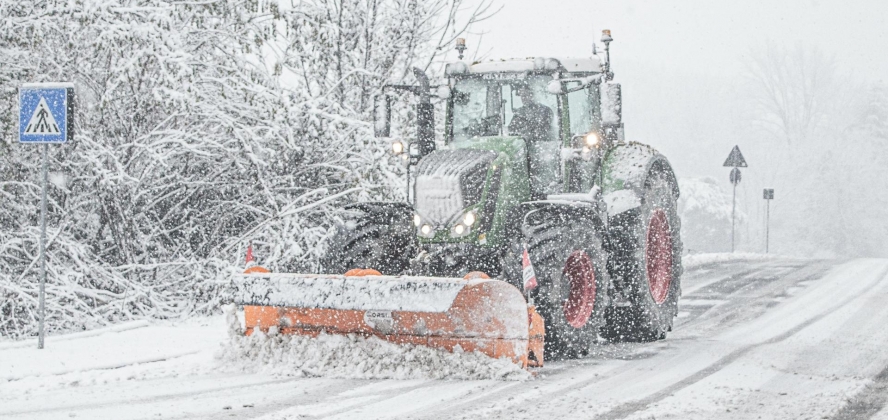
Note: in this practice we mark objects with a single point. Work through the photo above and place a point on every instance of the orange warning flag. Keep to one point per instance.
(530, 278)
(250, 258)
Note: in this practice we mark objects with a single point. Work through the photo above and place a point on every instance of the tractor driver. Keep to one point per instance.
(533, 119)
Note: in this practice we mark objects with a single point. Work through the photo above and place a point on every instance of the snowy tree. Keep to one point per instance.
(201, 126)
(795, 90)
(705, 210)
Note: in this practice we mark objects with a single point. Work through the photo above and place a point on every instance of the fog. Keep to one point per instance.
(695, 84)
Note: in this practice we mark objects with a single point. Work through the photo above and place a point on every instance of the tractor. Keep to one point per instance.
(534, 184)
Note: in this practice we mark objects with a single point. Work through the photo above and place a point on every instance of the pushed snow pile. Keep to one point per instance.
(354, 357)
(421, 294)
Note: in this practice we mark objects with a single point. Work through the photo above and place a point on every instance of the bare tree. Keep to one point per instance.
(794, 89)
(827, 160)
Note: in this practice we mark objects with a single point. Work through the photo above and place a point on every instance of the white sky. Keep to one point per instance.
(712, 36)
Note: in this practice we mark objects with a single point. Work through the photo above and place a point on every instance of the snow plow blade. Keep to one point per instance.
(483, 315)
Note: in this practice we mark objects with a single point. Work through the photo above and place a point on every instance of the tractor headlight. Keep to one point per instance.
(397, 147)
(464, 227)
(459, 230)
(592, 140)
(469, 218)
(417, 220)
(426, 230)
(588, 141)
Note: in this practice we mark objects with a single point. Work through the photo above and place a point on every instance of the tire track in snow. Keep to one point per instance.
(567, 396)
(136, 401)
(809, 375)
(626, 409)
(745, 303)
(340, 397)
(52, 339)
(472, 395)
(620, 355)
(310, 392)
(415, 400)
(556, 391)
(111, 366)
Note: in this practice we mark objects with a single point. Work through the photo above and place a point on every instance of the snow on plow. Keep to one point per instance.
(476, 314)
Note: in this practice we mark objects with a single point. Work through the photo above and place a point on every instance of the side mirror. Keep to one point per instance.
(414, 151)
(555, 87)
(611, 104)
(382, 115)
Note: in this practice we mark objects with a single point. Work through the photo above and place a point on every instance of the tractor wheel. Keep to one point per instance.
(645, 249)
(570, 266)
(376, 237)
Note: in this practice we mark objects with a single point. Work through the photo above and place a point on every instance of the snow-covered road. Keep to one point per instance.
(771, 338)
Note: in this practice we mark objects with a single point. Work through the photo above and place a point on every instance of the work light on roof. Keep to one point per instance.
(460, 46)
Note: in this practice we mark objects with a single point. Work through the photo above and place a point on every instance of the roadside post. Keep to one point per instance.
(46, 116)
(735, 160)
(768, 195)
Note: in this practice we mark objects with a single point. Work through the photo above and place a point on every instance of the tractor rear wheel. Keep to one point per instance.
(374, 235)
(570, 267)
(645, 248)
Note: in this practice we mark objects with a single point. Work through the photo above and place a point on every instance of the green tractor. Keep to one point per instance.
(534, 173)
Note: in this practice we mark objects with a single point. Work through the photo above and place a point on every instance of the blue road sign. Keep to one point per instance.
(46, 112)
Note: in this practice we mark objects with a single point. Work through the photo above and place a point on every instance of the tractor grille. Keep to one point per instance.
(449, 180)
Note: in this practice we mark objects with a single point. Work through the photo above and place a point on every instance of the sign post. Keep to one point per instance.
(768, 195)
(46, 116)
(736, 160)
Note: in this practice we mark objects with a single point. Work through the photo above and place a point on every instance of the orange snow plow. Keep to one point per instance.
(474, 313)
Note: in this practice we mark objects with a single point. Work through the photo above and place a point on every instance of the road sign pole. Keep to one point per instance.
(733, 212)
(42, 308)
(768, 195)
(767, 223)
(735, 160)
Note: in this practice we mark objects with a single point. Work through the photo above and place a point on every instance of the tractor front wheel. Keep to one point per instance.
(378, 236)
(566, 254)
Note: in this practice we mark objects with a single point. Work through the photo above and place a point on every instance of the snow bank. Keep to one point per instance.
(696, 260)
(113, 353)
(354, 357)
(126, 326)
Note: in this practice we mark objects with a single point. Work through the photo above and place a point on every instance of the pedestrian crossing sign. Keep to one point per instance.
(46, 112)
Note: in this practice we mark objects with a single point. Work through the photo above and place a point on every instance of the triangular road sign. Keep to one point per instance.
(42, 121)
(736, 159)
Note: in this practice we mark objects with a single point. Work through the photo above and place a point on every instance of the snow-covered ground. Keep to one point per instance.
(756, 337)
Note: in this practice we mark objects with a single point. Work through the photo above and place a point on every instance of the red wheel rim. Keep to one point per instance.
(581, 300)
(658, 256)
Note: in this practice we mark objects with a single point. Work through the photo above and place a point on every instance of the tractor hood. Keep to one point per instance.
(448, 181)
(464, 194)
